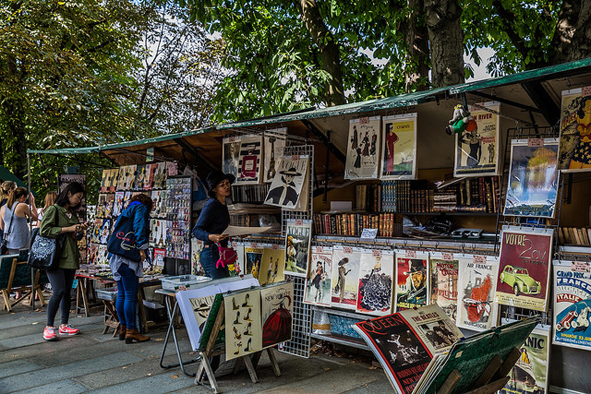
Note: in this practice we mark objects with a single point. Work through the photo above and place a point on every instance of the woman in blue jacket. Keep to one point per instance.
(127, 250)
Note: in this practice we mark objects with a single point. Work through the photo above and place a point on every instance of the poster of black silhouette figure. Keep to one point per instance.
(363, 148)
(288, 185)
(274, 141)
(243, 322)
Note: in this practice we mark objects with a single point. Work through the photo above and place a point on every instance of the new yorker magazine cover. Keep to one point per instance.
(318, 280)
(572, 304)
(399, 147)
(575, 130)
(376, 276)
(277, 313)
(345, 276)
(363, 148)
(524, 267)
(444, 283)
(412, 279)
(477, 284)
(533, 178)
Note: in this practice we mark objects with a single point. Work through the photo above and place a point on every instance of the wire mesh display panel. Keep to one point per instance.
(287, 214)
(302, 321)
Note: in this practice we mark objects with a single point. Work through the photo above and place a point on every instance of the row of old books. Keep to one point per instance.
(250, 193)
(574, 236)
(369, 197)
(352, 224)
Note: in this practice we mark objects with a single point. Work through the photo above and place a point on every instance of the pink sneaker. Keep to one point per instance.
(66, 329)
(49, 334)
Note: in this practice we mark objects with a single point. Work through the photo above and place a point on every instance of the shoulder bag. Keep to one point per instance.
(3, 242)
(45, 252)
(228, 256)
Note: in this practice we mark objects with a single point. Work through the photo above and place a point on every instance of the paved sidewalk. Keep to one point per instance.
(97, 363)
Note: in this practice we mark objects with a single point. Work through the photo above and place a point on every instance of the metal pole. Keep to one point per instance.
(30, 231)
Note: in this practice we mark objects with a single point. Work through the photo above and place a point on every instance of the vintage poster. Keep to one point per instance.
(140, 177)
(412, 279)
(376, 278)
(274, 144)
(287, 186)
(159, 200)
(399, 147)
(104, 181)
(318, 281)
(530, 372)
(345, 276)
(444, 282)
(297, 246)
(572, 304)
(533, 178)
(118, 204)
(149, 177)
(160, 175)
(253, 254)
(194, 306)
(575, 130)
(524, 267)
(231, 155)
(249, 162)
(196, 248)
(243, 323)
(241, 261)
(277, 313)
(477, 283)
(272, 265)
(477, 147)
(112, 181)
(363, 148)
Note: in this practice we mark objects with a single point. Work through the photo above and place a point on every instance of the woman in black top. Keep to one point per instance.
(212, 222)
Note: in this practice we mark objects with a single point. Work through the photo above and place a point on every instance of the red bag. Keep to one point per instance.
(227, 256)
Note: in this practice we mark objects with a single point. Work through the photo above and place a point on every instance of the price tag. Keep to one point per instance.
(347, 249)
(182, 288)
(319, 249)
(364, 120)
(376, 253)
(295, 157)
(234, 244)
(254, 245)
(586, 91)
(476, 259)
(535, 142)
(369, 233)
(299, 222)
(231, 139)
(411, 254)
(447, 256)
(580, 266)
(275, 247)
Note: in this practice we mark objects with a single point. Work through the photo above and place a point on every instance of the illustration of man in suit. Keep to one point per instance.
(286, 193)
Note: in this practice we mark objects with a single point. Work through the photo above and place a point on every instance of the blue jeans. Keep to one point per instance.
(126, 303)
(209, 258)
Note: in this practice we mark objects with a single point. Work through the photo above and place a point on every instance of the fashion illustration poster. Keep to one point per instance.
(345, 276)
(524, 267)
(533, 178)
(249, 164)
(277, 311)
(477, 147)
(231, 155)
(253, 254)
(272, 264)
(572, 304)
(376, 278)
(243, 323)
(412, 279)
(575, 130)
(444, 282)
(274, 143)
(318, 281)
(399, 147)
(297, 246)
(530, 372)
(287, 186)
(477, 283)
(363, 148)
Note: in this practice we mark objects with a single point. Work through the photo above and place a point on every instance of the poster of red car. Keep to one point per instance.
(524, 267)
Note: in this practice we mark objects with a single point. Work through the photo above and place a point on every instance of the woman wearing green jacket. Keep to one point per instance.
(60, 219)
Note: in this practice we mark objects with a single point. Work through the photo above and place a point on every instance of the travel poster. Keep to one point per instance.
(399, 147)
(231, 155)
(477, 309)
(575, 130)
(533, 178)
(524, 267)
(363, 148)
(376, 277)
(412, 279)
(318, 280)
(345, 276)
(572, 304)
(444, 282)
(277, 313)
(249, 163)
(274, 144)
(272, 265)
(477, 147)
(243, 323)
(297, 247)
(287, 186)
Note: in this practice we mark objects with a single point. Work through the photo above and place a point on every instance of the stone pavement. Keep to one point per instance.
(97, 363)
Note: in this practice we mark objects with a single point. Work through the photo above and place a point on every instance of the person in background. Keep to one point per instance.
(5, 188)
(13, 219)
(49, 201)
(59, 219)
(212, 222)
(127, 250)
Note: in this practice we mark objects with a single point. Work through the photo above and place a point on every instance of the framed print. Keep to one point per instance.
(399, 147)
(363, 148)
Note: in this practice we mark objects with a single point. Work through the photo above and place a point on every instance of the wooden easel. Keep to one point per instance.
(497, 369)
(205, 369)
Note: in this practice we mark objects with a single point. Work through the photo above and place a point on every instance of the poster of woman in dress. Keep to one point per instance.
(274, 144)
(399, 144)
(477, 147)
(288, 185)
(575, 130)
(376, 278)
(363, 148)
(533, 178)
(231, 155)
(297, 247)
(345, 276)
(249, 163)
(477, 283)
(318, 281)
(277, 312)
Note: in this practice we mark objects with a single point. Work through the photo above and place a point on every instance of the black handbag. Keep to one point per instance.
(45, 252)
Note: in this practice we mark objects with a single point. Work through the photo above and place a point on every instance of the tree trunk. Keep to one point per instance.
(572, 37)
(16, 142)
(416, 70)
(329, 51)
(445, 35)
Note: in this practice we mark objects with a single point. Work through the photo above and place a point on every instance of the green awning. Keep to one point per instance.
(6, 175)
